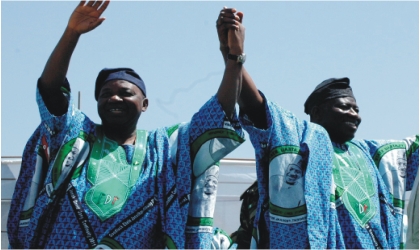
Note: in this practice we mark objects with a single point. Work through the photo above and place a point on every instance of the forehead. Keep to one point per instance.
(210, 177)
(120, 84)
(343, 100)
(294, 166)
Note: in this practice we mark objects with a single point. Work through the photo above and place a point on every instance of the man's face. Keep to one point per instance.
(210, 185)
(121, 103)
(402, 167)
(340, 117)
(70, 157)
(293, 174)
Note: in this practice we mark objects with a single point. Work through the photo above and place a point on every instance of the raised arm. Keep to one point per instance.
(84, 18)
(250, 100)
(230, 88)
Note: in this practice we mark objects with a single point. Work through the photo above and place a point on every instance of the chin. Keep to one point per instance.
(114, 123)
(347, 139)
(350, 137)
(344, 136)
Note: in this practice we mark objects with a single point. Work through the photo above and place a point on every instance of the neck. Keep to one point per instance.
(120, 134)
(341, 146)
(338, 141)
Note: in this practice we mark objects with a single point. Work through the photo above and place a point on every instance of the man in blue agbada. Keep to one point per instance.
(84, 185)
(318, 187)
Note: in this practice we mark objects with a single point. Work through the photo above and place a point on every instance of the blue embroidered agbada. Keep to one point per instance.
(315, 194)
(147, 199)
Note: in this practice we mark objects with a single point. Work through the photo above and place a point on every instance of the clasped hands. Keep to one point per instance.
(230, 30)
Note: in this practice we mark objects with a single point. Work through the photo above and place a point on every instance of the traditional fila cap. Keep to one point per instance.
(127, 74)
(329, 89)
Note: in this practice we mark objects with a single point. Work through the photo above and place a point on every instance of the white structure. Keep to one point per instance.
(234, 177)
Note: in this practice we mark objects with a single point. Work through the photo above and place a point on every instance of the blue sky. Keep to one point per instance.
(291, 47)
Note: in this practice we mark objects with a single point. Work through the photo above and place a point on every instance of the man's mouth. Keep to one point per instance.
(116, 110)
(353, 124)
(208, 192)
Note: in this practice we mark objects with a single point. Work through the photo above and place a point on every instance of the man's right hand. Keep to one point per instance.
(226, 20)
(236, 37)
(87, 16)
(84, 18)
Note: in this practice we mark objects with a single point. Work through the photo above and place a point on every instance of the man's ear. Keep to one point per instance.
(316, 114)
(145, 104)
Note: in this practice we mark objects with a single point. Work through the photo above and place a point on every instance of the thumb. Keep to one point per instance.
(97, 23)
(241, 16)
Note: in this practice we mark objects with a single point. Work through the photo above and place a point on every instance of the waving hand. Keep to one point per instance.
(87, 16)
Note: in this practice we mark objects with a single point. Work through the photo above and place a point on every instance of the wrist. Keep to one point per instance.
(72, 32)
(236, 51)
(224, 49)
(241, 58)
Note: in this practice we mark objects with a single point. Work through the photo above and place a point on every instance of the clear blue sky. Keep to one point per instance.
(291, 47)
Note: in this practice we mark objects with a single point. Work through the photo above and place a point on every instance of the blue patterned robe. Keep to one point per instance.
(156, 210)
(301, 204)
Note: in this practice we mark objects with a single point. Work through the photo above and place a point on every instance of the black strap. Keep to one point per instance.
(133, 218)
(82, 218)
(170, 197)
(375, 240)
(48, 217)
(383, 200)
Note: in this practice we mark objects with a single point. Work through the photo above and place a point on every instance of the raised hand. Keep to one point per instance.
(87, 16)
(236, 37)
(226, 20)
(84, 18)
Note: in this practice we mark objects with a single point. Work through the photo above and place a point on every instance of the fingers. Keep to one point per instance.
(228, 19)
(87, 16)
(227, 15)
(98, 5)
(104, 6)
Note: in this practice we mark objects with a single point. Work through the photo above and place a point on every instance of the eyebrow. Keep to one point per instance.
(121, 88)
(347, 103)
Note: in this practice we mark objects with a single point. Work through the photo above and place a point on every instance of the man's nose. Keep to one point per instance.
(356, 115)
(115, 98)
(353, 112)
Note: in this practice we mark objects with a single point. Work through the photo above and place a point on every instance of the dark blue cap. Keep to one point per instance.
(329, 89)
(127, 74)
